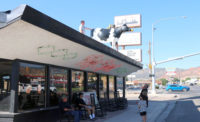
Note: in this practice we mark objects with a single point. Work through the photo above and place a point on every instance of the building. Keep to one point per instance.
(41, 59)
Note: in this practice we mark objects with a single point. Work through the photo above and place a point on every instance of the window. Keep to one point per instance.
(120, 86)
(92, 82)
(103, 86)
(111, 87)
(5, 74)
(58, 84)
(31, 86)
(77, 81)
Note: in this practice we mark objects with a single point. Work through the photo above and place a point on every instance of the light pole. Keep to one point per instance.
(153, 58)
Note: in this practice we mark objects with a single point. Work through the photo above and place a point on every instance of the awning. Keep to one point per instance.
(28, 34)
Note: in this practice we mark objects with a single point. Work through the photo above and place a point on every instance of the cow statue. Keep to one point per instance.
(109, 35)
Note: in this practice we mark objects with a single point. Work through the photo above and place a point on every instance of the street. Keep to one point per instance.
(187, 108)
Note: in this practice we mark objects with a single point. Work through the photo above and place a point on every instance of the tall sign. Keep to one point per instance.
(131, 20)
(135, 54)
(170, 71)
(130, 39)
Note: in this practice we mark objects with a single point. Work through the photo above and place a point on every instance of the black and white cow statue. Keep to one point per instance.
(109, 35)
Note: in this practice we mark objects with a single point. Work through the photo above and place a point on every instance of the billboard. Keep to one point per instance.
(131, 20)
(170, 71)
(130, 39)
(135, 54)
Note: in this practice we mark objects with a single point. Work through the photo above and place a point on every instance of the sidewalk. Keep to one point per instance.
(132, 115)
(159, 108)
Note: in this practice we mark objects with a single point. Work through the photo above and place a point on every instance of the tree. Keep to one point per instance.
(187, 79)
(164, 81)
(176, 80)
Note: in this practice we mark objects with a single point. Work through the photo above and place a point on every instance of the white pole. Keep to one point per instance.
(153, 60)
(153, 63)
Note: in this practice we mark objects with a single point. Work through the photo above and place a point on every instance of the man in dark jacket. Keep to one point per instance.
(66, 109)
(144, 93)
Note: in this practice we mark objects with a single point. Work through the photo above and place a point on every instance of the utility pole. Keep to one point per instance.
(149, 52)
(153, 57)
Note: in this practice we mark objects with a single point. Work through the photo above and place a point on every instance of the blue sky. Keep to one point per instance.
(173, 38)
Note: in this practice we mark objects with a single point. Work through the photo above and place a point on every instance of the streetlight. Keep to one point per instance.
(153, 60)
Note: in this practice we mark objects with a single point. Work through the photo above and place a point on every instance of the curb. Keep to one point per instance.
(166, 111)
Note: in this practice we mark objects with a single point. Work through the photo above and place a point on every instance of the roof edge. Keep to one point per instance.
(11, 16)
(39, 19)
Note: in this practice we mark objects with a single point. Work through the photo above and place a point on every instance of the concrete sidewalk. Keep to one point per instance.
(159, 108)
(131, 114)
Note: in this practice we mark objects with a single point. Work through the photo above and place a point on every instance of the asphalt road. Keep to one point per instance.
(187, 108)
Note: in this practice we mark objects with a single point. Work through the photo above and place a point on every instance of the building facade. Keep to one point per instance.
(42, 59)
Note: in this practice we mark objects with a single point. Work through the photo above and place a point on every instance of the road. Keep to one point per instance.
(187, 108)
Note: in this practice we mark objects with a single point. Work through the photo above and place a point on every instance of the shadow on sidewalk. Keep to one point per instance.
(185, 111)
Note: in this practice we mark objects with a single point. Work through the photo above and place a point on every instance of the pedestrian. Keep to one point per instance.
(144, 93)
(66, 109)
(82, 27)
(142, 108)
(90, 108)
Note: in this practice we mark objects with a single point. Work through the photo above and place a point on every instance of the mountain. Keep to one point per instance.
(161, 73)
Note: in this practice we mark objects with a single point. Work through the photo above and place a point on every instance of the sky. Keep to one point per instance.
(172, 38)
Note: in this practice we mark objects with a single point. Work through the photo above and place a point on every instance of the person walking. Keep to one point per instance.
(142, 105)
(144, 94)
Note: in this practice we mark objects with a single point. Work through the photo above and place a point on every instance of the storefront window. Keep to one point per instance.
(58, 84)
(77, 81)
(92, 82)
(5, 74)
(120, 86)
(103, 86)
(111, 87)
(31, 86)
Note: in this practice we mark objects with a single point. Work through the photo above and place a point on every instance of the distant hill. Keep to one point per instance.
(161, 73)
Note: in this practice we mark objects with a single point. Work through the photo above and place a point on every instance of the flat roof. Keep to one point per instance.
(28, 34)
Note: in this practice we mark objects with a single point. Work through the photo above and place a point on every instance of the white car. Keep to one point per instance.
(52, 89)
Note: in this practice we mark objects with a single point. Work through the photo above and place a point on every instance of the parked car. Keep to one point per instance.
(136, 90)
(191, 84)
(176, 87)
(52, 89)
(23, 87)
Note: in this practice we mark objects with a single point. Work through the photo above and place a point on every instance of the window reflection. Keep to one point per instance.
(5, 73)
(31, 86)
(77, 81)
(120, 86)
(111, 87)
(92, 82)
(58, 84)
(103, 86)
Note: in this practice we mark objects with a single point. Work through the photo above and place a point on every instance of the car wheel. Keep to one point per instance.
(184, 90)
(170, 90)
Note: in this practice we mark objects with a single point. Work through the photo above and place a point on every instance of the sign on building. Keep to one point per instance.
(135, 54)
(130, 39)
(130, 20)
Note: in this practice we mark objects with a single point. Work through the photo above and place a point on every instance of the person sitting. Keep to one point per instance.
(81, 103)
(66, 109)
